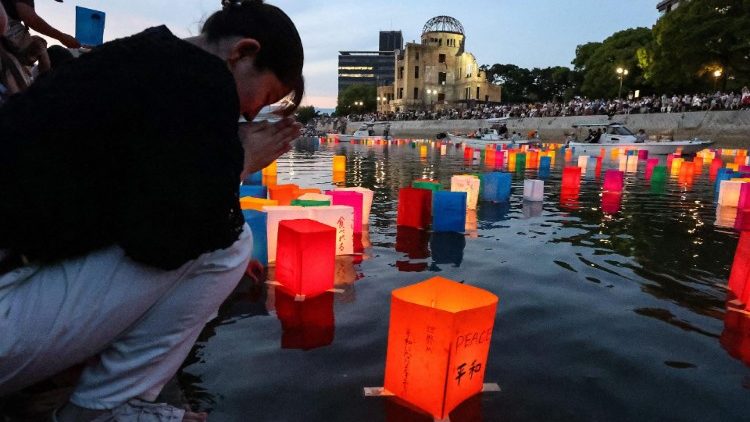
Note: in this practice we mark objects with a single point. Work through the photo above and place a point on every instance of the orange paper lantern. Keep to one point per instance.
(438, 342)
(257, 204)
(305, 257)
(285, 194)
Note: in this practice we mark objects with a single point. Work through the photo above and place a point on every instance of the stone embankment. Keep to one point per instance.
(726, 128)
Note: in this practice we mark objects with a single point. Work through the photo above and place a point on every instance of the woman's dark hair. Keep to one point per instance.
(281, 47)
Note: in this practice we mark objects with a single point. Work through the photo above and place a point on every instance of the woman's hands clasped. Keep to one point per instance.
(264, 142)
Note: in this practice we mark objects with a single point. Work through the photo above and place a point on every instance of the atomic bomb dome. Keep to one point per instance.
(443, 24)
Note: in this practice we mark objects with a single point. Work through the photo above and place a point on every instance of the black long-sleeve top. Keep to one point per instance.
(133, 144)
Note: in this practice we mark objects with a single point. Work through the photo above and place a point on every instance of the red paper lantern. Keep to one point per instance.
(650, 164)
(571, 179)
(414, 208)
(438, 343)
(735, 338)
(305, 257)
(738, 278)
(614, 180)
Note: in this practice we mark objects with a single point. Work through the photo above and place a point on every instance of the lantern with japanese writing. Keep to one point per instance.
(285, 194)
(341, 218)
(571, 179)
(305, 257)
(306, 324)
(438, 343)
(351, 199)
(367, 197)
(470, 185)
(257, 221)
(339, 163)
(256, 191)
(614, 180)
(533, 190)
(448, 211)
(496, 187)
(414, 208)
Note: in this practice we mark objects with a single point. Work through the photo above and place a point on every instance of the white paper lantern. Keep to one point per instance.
(729, 193)
(470, 185)
(533, 190)
(340, 217)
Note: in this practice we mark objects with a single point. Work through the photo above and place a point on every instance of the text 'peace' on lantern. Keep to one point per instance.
(438, 343)
(305, 257)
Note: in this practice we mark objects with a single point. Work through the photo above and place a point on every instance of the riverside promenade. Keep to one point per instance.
(726, 128)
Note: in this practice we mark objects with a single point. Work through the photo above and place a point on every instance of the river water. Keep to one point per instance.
(601, 316)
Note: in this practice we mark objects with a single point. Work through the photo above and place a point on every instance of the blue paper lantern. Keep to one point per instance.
(256, 191)
(448, 211)
(496, 187)
(89, 26)
(723, 174)
(545, 164)
(254, 178)
(257, 221)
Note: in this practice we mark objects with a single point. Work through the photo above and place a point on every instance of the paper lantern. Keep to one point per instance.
(306, 324)
(468, 153)
(735, 338)
(614, 180)
(305, 191)
(520, 162)
(583, 162)
(254, 178)
(545, 164)
(270, 170)
(571, 178)
(651, 163)
(443, 149)
(351, 199)
(676, 166)
(729, 193)
(742, 219)
(611, 202)
(739, 278)
(632, 165)
(312, 200)
(305, 257)
(532, 159)
(659, 174)
(723, 174)
(643, 154)
(622, 163)
(269, 180)
(423, 151)
(341, 218)
(256, 191)
(339, 163)
(285, 194)
(277, 214)
(414, 208)
(338, 177)
(568, 154)
(251, 203)
(367, 198)
(499, 159)
(496, 187)
(614, 154)
(469, 184)
(438, 343)
(533, 190)
(511, 160)
(448, 211)
(257, 221)
(733, 166)
(698, 165)
(489, 158)
(432, 185)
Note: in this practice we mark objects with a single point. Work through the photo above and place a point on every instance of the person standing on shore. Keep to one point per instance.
(120, 226)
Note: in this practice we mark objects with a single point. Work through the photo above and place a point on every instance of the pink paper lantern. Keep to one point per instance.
(614, 180)
(350, 199)
(643, 154)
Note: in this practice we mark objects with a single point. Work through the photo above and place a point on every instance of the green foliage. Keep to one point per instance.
(356, 93)
(524, 85)
(306, 113)
(698, 38)
(599, 61)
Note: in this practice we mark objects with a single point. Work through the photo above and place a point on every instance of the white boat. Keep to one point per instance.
(365, 131)
(616, 135)
(489, 136)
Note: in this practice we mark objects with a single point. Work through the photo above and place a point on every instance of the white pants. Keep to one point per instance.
(138, 322)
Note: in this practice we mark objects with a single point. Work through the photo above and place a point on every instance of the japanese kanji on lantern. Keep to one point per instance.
(305, 257)
(350, 199)
(340, 217)
(438, 342)
(367, 198)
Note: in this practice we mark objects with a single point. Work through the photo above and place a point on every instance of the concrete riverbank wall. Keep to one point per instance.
(726, 128)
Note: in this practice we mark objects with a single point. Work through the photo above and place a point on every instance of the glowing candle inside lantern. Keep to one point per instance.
(438, 343)
(414, 208)
(614, 180)
(496, 187)
(305, 257)
(448, 211)
(533, 190)
(468, 184)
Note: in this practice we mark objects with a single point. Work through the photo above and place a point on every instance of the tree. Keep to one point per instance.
(599, 61)
(524, 85)
(696, 40)
(515, 81)
(306, 113)
(356, 93)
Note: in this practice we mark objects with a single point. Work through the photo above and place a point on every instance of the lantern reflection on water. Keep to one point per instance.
(447, 248)
(305, 257)
(611, 202)
(438, 343)
(735, 338)
(307, 324)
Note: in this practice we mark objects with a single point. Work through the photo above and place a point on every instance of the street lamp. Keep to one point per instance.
(717, 75)
(622, 73)
(430, 93)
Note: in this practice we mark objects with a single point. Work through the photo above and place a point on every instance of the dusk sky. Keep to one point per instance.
(528, 33)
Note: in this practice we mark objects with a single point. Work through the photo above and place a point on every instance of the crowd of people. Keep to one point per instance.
(577, 107)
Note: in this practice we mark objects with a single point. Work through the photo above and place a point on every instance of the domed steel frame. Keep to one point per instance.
(443, 24)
